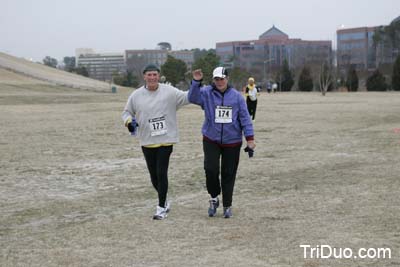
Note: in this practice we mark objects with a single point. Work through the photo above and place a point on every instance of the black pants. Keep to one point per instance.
(251, 107)
(229, 163)
(157, 160)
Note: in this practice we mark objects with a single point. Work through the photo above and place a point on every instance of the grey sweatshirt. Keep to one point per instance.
(155, 112)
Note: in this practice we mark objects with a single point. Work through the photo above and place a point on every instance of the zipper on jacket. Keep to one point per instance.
(222, 125)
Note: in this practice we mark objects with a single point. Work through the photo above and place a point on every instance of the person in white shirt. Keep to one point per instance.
(150, 113)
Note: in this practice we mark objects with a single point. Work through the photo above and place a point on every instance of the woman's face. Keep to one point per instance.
(221, 83)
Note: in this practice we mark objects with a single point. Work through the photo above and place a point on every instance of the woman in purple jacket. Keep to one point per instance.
(226, 121)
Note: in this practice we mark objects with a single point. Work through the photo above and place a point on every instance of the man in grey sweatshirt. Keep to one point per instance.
(151, 114)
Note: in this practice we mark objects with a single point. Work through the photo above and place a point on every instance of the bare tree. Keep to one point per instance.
(136, 64)
(325, 78)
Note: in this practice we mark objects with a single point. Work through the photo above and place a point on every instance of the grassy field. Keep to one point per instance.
(74, 188)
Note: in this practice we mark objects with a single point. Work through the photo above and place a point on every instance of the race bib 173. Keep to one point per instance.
(158, 126)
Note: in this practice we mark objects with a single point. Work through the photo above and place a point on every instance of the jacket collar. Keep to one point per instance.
(216, 89)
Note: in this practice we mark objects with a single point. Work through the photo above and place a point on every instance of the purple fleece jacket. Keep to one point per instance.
(209, 97)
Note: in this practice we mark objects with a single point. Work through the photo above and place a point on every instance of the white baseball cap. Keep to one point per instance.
(220, 72)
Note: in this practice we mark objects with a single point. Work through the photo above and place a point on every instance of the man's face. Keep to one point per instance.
(151, 78)
(221, 83)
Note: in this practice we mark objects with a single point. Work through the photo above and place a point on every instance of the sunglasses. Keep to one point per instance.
(219, 79)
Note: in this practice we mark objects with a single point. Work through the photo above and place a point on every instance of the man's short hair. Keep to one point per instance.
(151, 67)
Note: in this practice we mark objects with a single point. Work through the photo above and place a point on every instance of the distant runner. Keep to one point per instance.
(251, 92)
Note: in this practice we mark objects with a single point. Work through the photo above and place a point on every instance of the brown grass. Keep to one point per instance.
(74, 189)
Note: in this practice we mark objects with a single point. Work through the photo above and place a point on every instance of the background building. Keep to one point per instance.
(266, 55)
(136, 60)
(368, 48)
(100, 66)
(81, 52)
(184, 55)
(355, 47)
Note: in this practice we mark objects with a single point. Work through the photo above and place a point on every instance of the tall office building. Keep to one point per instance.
(268, 52)
(355, 48)
(100, 66)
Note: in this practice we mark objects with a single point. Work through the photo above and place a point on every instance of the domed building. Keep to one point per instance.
(266, 54)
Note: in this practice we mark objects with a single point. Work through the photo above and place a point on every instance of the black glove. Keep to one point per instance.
(131, 127)
(250, 151)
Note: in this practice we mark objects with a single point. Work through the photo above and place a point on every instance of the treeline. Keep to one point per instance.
(375, 81)
(321, 78)
(69, 65)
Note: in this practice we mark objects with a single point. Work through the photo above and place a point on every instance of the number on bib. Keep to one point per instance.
(158, 126)
(223, 114)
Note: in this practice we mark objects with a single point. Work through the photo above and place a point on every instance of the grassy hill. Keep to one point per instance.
(20, 71)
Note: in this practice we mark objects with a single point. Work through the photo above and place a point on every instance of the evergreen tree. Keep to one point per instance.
(131, 80)
(51, 62)
(174, 70)
(285, 77)
(376, 82)
(199, 53)
(82, 71)
(125, 79)
(352, 80)
(207, 64)
(305, 80)
(342, 81)
(69, 63)
(238, 77)
(396, 75)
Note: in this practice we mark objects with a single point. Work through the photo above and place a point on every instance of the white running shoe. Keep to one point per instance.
(167, 206)
(161, 213)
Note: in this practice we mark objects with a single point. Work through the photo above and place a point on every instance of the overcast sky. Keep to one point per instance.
(36, 28)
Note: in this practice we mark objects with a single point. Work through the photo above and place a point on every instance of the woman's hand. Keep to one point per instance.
(197, 75)
(251, 144)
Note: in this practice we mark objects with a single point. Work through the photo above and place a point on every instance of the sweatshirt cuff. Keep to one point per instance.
(197, 81)
(127, 121)
(250, 138)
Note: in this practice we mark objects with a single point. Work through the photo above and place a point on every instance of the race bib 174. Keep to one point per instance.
(223, 114)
